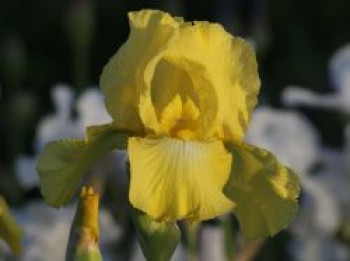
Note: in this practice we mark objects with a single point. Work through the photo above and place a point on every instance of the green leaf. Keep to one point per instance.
(158, 240)
(63, 163)
(10, 231)
(264, 190)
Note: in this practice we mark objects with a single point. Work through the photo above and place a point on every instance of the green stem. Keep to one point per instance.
(191, 238)
(227, 225)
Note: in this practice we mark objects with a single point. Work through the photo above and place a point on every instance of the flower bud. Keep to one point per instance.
(84, 234)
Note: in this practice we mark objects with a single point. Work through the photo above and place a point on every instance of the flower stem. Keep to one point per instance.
(191, 230)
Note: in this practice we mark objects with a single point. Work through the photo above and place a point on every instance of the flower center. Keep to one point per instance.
(175, 100)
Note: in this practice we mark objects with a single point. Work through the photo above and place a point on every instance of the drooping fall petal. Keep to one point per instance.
(174, 179)
(264, 190)
(63, 163)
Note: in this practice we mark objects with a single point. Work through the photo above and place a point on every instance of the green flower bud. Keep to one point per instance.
(158, 240)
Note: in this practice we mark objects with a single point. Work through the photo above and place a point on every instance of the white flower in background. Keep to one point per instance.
(288, 135)
(296, 142)
(57, 125)
(336, 174)
(213, 244)
(46, 231)
(91, 110)
(25, 171)
(339, 68)
(337, 162)
(60, 123)
(336, 171)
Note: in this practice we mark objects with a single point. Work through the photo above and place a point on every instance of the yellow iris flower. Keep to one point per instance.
(181, 95)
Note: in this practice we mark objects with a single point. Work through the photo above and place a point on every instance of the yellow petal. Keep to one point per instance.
(170, 115)
(264, 190)
(123, 78)
(229, 64)
(173, 179)
(176, 78)
(164, 57)
(63, 163)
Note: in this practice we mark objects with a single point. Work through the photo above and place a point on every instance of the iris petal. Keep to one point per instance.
(174, 179)
(229, 65)
(264, 190)
(123, 78)
(178, 79)
(63, 163)
(164, 57)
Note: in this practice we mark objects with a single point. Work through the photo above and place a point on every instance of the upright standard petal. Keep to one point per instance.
(173, 179)
(184, 99)
(63, 163)
(264, 190)
(230, 66)
(123, 77)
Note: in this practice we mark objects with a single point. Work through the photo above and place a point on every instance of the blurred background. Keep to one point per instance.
(52, 54)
